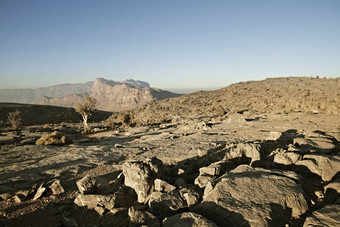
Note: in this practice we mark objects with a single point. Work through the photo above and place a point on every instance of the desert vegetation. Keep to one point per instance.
(15, 120)
(86, 109)
(54, 138)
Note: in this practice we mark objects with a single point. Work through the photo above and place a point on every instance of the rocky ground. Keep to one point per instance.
(238, 169)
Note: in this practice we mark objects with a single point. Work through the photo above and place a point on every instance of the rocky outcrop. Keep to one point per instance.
(255, 196)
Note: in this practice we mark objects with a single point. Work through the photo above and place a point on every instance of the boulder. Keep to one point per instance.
(141, 175)
(166, 204)
(244, 150)
(122, 198)
(252, 196)
(87, 185)
(326, 166)
(287, 158)
(163, 186)
(188, 219)
(217, 168)
(142, 218)
(315, 142)
(326, 216)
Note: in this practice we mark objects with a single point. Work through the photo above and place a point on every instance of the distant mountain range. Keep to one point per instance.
(110, 95)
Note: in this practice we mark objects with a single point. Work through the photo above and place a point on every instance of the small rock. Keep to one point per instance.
(56, 188)
(39, 193)
(166, 204)
(287, 158)
(103, 187)
(203, 180)
(163, 186)
(142, 218)
(244, 150)
(87, 185)
(88, 201)
(188, 219)
(217, 168)
(191, 197)
(99, 210)
(18, 198)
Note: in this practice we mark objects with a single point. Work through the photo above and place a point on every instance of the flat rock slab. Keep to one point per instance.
(252, 196)
(327, 216)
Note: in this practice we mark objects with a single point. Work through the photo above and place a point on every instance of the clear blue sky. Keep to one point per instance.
(168, 43)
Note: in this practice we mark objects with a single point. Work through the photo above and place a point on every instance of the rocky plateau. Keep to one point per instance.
(263, 153)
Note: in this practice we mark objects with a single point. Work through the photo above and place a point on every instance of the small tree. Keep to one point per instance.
(86, 109)
(15, 120)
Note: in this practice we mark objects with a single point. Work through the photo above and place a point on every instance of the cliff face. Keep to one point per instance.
(110, 95)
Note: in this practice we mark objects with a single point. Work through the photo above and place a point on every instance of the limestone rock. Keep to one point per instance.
(325, 166)
(166, 204)
(203, 180)
(190, 196)
(140, 218)
(88, 201)
(252, 196)
(39, 192)
(335, 185)
(87, 185)
(287, 158)
(217, 168)
(163, 186)
(56, 187)
(247, 150)
(315, 142)
(326, 216)
(141, 175)
(188, 219)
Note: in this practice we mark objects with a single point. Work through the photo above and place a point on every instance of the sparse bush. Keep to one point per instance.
(14, 118)
(55, 138)
(121, 119)
(86, 109)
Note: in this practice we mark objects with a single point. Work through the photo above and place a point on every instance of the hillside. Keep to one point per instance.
(291, 94)
(42, 114)
(110, 95)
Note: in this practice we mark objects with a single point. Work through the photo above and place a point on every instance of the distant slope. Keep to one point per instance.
(110, 95)
(310, 95)
(33, 96)
(41, 114)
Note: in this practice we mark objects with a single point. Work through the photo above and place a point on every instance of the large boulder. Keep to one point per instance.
(326, 216)
(140, 176)
(326, 166)
(252, 196)
(188, 219)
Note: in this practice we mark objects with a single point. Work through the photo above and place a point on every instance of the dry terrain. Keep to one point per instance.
(252, 154)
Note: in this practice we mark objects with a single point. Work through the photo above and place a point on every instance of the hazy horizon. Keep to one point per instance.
(169, 44)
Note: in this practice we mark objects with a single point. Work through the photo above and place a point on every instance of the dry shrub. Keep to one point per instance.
(14, 118)
(55, 138)
(122, 119)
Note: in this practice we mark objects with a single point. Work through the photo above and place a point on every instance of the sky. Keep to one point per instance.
(172, 44)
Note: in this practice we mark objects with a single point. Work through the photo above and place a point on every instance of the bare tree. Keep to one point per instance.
(15, 120)
(86, 109)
